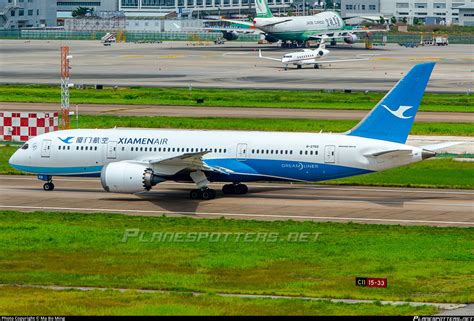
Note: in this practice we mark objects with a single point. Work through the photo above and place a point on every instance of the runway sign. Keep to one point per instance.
(371, 282)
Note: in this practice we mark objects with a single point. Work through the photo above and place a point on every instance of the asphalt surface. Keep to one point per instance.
(371, 205)
(237, 112)
(232, 65)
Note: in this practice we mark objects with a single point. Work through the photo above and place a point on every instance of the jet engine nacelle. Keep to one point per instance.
(323, 52)
(128, 177)
(231, 35)
(350, 38)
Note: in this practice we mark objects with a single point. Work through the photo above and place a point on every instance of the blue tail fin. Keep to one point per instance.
(392, 118)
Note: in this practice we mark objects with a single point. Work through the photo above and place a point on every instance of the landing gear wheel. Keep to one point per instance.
(298, 66)
(316, 66)
(48, 186)
(241, 189)
(238, 189)
(227, 189)
(205, 194)
(208, 194)
(195, 194)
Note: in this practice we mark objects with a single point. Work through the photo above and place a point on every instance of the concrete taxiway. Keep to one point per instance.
(237, 112)
(374, 205)
(232, 65)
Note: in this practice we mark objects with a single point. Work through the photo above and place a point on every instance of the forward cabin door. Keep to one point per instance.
(330, 154)
(46, 148)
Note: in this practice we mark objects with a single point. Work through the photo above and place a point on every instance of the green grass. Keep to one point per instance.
(438, 172)
(5, 153)
(227, 98)
(29, 301)
(291, 125)
(426, 264)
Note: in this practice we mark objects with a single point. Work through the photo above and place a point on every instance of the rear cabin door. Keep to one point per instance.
(330, 154)
(46, 148)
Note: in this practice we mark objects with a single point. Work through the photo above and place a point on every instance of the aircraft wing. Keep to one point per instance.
(237, 22)
(245, 27)
(187, 161)
(268, 58)
(276, 23)
(339, 34)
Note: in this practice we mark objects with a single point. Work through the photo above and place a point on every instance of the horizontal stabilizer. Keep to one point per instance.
(390, 153)
(440, 145)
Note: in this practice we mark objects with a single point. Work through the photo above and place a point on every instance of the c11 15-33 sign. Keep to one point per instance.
(371, 282)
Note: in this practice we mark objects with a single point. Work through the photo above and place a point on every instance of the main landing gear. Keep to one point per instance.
(236, 189)
(202, 194)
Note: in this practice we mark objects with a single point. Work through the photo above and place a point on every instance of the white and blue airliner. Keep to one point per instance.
(135, 160)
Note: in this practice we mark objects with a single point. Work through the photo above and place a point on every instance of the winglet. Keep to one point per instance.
(392, 118)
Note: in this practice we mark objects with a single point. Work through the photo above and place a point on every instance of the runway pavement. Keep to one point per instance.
(374, 205)
(238, 112)
(232, 65)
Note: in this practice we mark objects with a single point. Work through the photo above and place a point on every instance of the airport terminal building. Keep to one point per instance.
(17, 14)
(137, 8)
(427, 11)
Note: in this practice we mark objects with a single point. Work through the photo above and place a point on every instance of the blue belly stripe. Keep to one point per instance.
(248, 170)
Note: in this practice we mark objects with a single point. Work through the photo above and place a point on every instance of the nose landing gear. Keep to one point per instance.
(48, 186)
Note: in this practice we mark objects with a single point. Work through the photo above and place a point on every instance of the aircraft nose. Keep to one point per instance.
(13, 159)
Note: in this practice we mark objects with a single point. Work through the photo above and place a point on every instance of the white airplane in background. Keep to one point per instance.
(308, 57)
(294, 31)
(135, 160)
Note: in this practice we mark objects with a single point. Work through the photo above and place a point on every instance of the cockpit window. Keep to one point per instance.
(25, 146)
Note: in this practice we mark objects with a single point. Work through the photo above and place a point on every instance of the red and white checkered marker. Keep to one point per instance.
(19, 127)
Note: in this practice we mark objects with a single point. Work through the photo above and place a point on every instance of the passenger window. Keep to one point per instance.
(96, 148)
(155, 149)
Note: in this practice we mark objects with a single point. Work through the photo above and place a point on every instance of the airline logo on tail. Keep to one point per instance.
(399, 112)
(262, 9)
